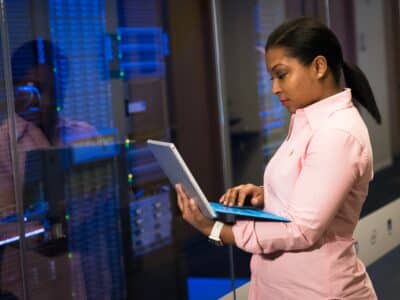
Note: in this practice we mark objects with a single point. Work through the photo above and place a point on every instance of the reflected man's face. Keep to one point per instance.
(35, 95)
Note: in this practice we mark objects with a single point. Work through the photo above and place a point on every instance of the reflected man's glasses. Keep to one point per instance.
(27, 97)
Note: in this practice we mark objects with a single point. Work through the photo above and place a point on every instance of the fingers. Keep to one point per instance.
(184, 203)
(243, 193)
(257, 201)
(181, 195)
(192, 206)
(258, 198)
(237, 195)
(229, 198)
(180, 201)
(246, 191)
(191, 213)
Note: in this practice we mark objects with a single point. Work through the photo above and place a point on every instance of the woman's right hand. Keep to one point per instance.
(237, 195)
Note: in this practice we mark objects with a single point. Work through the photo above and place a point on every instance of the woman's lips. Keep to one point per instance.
(283, 101)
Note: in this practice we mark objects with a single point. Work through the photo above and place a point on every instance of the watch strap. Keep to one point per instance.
(215, 234)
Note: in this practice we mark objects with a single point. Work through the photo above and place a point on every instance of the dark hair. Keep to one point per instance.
(305, 38)
(40, 52)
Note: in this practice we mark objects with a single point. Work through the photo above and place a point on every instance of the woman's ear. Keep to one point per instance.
(320, 66)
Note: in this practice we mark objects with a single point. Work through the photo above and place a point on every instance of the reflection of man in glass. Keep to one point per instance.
(38, 101)
(39, 98)
(39, 124)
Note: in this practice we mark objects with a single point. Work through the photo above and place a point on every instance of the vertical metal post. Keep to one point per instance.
(13, 142)
(232, 271)
(327, 14)
(223, 117)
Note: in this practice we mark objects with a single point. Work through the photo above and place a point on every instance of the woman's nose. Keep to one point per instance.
(276, 89)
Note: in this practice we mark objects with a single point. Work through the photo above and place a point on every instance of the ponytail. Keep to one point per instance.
(361, 89)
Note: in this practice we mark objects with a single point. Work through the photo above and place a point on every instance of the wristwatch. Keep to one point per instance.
(214, 236)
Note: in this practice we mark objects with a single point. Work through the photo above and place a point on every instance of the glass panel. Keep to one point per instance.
(258, 122)
(67, 151)
(10, 266)
(274, 117)
(89, 79)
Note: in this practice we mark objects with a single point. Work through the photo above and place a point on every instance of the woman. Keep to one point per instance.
(318, 178)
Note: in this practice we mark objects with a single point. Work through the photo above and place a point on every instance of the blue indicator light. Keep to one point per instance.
(40, 51)
(165, 44)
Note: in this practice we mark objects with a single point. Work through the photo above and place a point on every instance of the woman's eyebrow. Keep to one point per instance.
(270, 71)
(277, 65)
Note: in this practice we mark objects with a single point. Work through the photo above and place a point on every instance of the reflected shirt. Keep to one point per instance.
(318, 178)
(29, 137)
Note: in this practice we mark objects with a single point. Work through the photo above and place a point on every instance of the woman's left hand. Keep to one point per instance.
(191, 212)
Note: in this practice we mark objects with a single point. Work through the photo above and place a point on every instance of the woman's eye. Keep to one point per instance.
(281, 75)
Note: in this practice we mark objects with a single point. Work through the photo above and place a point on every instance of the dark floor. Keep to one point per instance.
(385, 272)
(385, 275)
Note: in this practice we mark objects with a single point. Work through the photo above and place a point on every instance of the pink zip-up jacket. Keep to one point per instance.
(318, 178)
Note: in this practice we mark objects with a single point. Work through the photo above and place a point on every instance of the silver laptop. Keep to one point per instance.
(173, 165)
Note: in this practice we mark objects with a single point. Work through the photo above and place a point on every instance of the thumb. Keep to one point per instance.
(256, 200)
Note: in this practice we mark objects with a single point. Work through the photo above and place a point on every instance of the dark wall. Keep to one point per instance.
(392, 24)
(342, 23)
(192, 92)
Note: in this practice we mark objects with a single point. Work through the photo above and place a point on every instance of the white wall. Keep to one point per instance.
(371, 58)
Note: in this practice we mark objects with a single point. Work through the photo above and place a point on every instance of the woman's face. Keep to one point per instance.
(296, 85)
